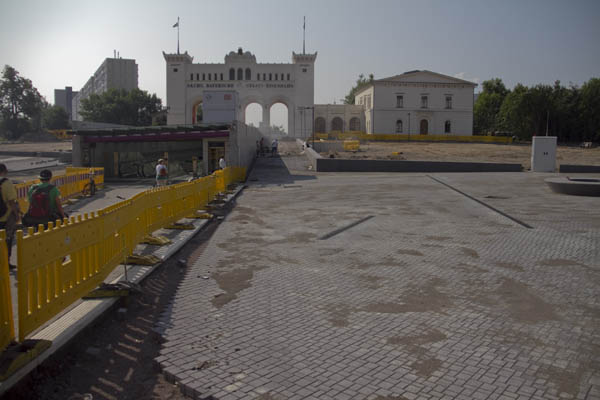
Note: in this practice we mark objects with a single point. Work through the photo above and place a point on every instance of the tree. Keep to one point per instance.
(514, 113)
(488, 105)
(118, 106)
(20, 104)
(589, 108)
(360, 83)
(55, 117)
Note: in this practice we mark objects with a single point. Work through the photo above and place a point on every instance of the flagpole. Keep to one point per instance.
(177, 35)
(304, 36)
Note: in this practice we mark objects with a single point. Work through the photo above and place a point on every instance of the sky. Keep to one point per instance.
(61, 43)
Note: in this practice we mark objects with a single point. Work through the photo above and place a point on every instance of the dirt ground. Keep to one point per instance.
(115, 358)
(40, 146)
(476, 152)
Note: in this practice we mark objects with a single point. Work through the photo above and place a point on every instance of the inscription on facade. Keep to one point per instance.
(247, 85)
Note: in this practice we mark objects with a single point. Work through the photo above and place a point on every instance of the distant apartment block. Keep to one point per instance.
(64, 98)
(113, 73)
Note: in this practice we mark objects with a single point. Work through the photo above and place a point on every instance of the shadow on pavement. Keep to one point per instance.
(276, 171)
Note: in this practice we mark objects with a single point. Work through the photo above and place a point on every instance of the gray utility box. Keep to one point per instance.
(543, 154)
(219, 107)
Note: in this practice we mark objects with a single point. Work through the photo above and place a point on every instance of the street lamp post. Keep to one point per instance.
(409, 126)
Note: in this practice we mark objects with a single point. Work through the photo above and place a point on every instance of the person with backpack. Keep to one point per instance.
(44, 202)
(10, 214)
(161, 173)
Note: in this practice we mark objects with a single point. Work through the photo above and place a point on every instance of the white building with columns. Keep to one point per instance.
(266, 84)
(418, 102)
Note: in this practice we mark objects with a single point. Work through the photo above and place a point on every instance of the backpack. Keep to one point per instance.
(40, 202)
(3, 206)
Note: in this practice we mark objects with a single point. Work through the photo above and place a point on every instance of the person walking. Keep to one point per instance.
(44, 202)
(10, 214)
(161, 173)
(274, 145)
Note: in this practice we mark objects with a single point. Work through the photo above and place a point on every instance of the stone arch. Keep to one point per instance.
(232, 74)
(197, 111)
(240, 74)
(354, 124)
(320, 125)
(337, 124)
(248, 73)
(290, 110)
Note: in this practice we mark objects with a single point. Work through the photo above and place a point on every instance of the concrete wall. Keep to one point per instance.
(341, 165)
(242, 145)
(579, 168)
(323, 147)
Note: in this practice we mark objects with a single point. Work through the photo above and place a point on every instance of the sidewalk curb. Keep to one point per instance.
(64, 329)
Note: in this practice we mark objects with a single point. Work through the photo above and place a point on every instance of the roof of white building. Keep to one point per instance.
(419, 76)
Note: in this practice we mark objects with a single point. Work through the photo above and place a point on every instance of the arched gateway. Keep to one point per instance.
(265, 84)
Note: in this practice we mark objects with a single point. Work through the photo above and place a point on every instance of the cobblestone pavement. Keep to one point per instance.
(433, 297)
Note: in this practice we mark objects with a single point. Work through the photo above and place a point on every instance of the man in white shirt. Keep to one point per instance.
(222, 163)
(161, 173)
(274, 145)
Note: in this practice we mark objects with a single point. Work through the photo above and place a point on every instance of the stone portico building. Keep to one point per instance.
(266, 84)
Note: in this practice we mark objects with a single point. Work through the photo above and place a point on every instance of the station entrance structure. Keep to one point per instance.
(266, 84)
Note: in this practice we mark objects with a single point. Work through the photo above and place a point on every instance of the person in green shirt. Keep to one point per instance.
(44, 202)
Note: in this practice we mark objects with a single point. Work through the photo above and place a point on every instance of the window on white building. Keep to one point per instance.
(248, 74)
(399, 126)
(203, 77)
(399, 101)
(221, 76)
(264, 77)
(232, 74)
(423, 101)
(210, 77)
(191, 77)
(197, 76)
(288, 77)
(275, 76)
(258, 77)
(270, 76)
(448, 102)
(240, 74)
(447, 127)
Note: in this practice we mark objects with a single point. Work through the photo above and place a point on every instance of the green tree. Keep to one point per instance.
(20, 104)
(360, 83)
(514, 113)
(118, 106)
(487, 106)
(55, 117)
(589, 108)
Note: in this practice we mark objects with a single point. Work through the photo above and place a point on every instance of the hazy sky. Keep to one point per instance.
(62, 43)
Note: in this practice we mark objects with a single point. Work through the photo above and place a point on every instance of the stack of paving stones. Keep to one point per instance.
(435, 297)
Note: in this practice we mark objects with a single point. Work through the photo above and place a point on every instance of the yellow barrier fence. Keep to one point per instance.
(70, 184)
(417, 138)
(351, 145)
(7, 329)
(57, 266)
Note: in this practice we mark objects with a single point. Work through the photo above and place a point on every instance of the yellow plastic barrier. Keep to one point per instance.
(7, 329)
(72, 183)
(351, 145)
(427, 138)
(59, 265)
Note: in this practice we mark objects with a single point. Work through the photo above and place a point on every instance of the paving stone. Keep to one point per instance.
(434, 297)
